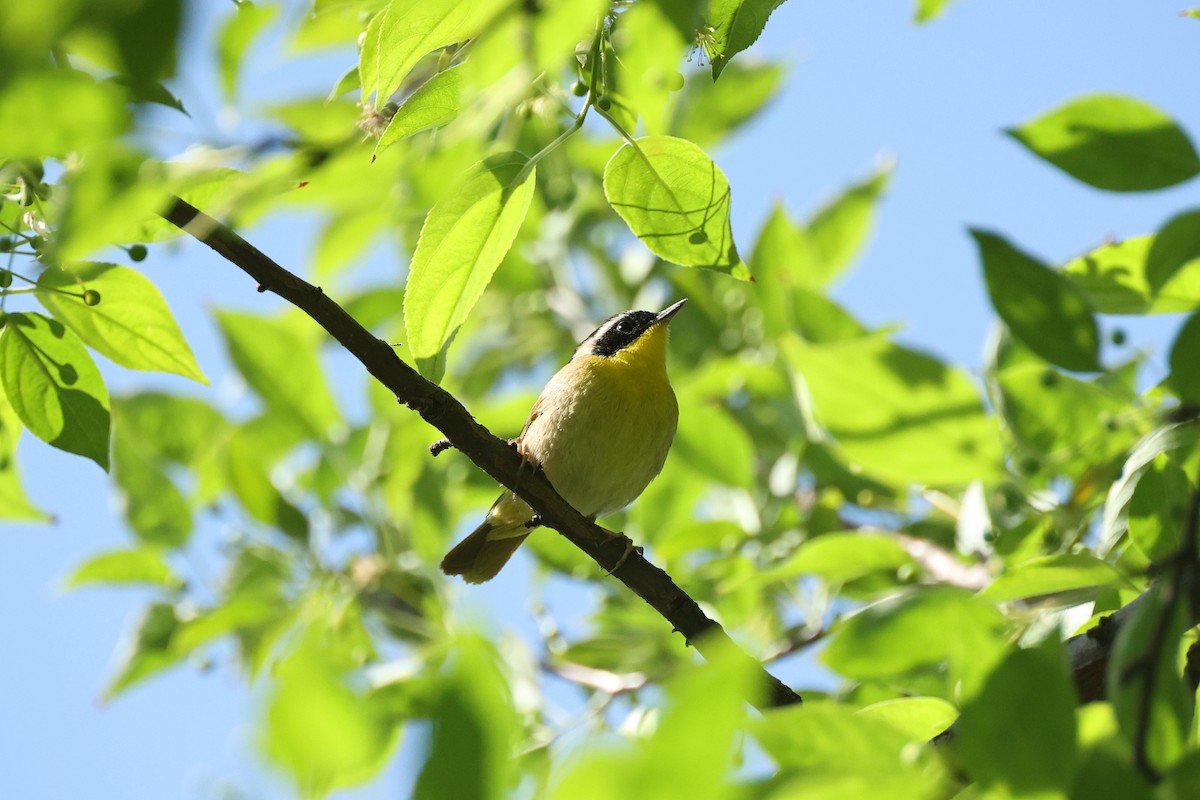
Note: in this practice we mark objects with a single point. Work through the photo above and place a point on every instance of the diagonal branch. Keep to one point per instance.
(491, 454)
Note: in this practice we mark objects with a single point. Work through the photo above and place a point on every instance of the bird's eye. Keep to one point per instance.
(624, 326)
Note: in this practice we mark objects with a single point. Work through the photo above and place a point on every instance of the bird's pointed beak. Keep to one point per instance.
(669, 312)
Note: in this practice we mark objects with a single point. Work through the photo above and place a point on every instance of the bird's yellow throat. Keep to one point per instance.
(644, 359)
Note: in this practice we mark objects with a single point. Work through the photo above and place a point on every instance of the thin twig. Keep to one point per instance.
(490, 453)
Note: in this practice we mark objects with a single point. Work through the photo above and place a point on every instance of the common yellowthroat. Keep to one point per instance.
(600, 430)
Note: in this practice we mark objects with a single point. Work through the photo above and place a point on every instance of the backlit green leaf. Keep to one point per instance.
(711, 442)
(1078, 576)
(131, 323)
(54, 386)
(843, 557)
(838, 231)
(1041, 307)
(677, 202)
(463, 240)
(149, 651)
(1146, 651)
(1112, 142)
(1157, 511)
(736, 24)
(928, 9)
(994, 735)
(920, 718)
(648, 50)
(898, 413)
(234, 38)
(1185, 361)
(281, 366)
(139, 566)
(14, 505)
(1141, 275)
(436, 103)
(53, 113)
(707, 112)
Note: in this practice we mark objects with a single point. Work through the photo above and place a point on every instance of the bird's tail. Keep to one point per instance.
(480, 556)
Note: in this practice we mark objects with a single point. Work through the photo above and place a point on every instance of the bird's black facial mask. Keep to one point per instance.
(620, 331)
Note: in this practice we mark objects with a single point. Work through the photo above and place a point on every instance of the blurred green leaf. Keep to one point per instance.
(919, 718)
(1104, 766)
(1144, 682)
(1079, 576)
(325, 733)
(929, 9)
(1185, 361)
(236, 35)
(1122, 277)
(1041, 308)
(53, 113)
(842, 557)
(14, 504)
(53, 385)
(436, 103)
(711, 442)
(830, 750)
(919, 630)
(676, 200)
(1157, 510)
(149, 651)
(345, 237)
(143, 565)
(282, 367)
(463, 240)
(130, 324)
(736, 24)
(472, 724)
(708, 112)
(648, 49)
(837, 232)
(898, 413)
(250, 455)
(1112, 142)
(995, 739)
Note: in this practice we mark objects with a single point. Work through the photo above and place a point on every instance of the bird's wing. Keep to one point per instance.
(534, 413)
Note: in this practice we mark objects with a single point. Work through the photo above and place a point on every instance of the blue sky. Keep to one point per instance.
(864, 82)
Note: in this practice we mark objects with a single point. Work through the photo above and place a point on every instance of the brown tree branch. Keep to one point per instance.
(490, 453)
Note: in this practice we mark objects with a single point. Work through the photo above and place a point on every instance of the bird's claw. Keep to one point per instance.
(629, 549)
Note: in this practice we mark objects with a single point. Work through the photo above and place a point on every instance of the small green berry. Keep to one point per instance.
(1049, 379)
(6, 244)
(137, 252)
(674, 81)
(91, 297)
(604, 104)
(579, 88)
(5, 279)
(1118, 337)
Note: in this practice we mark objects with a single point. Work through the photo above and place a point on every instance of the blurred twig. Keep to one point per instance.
(490, 453)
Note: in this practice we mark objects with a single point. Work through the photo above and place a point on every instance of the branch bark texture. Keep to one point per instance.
(490, 453)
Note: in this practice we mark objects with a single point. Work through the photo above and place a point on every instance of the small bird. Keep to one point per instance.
(600, 431)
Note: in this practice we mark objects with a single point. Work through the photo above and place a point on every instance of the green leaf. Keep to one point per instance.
(325, 733)
(250, 454)
(830, 750)
(899, 414)
(404, 32)
(131, 323)
(929, 9)
(1112, 142)
(1144, 683)
(648, 48)
(150, 650)
(736, 24)
(143, 565)
(1157, 511)
(919, 718)
(104, 193)
(463, 240)
(711, 442)
(1142, 275)
(1184, 379)
(917, 631)
(52, 113)
(838, 231)
(152, 504)
(708, 112)
(782, 260)
(1041, 307)
(14, 505)
(436, 103)
(236, 34)
(473, 723)
(995, 739)
(842, 557)
(282, 366)
(1077, 576)
(676, 201)
(1113, 525)
(54, 386)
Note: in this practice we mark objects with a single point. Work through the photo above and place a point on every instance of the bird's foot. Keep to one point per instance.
(629, 548)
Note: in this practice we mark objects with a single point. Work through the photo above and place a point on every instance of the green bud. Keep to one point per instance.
(137, 252)
(579, 88)
(604, 104)
(91, 297)
(5, 279)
